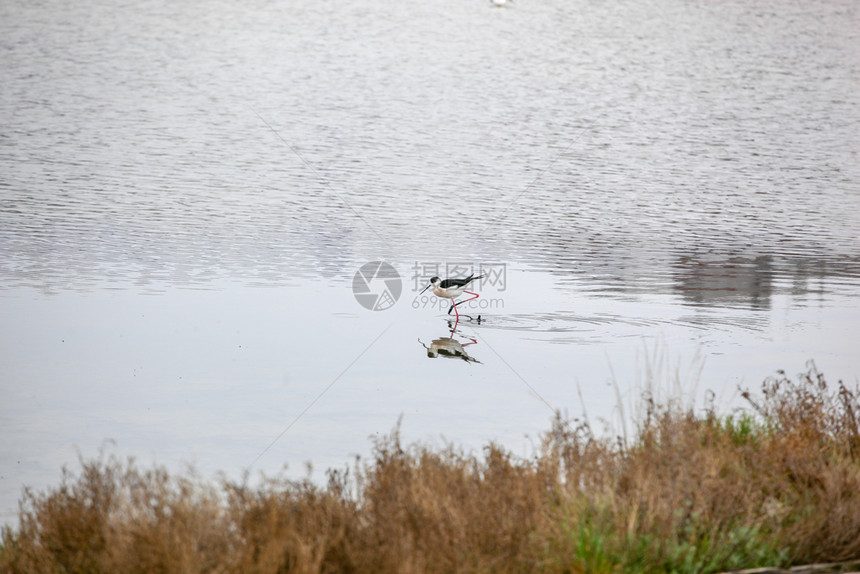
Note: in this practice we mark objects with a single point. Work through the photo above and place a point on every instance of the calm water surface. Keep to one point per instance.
(665, 194)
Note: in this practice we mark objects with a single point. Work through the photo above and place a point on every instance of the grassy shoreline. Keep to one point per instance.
(775, 484)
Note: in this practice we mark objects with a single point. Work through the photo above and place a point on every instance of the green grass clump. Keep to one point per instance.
(775, 484)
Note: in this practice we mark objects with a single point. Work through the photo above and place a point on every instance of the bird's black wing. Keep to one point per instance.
(448, 283)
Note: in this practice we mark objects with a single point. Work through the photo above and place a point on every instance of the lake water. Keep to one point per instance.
(664, 194)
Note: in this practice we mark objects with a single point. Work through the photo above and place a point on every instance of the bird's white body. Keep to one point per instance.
(450, 293)
(450, 288)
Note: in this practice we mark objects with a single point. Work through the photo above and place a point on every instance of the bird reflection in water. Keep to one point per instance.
(449, 347)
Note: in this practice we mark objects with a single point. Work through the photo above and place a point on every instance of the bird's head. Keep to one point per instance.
(434, 282)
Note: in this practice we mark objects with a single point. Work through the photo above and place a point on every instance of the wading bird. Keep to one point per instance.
(451, 289)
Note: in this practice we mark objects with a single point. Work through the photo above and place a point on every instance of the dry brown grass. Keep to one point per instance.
(778, 484)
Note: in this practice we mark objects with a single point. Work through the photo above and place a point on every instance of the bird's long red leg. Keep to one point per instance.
(469, 299)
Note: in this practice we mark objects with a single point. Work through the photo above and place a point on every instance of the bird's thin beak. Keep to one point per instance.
(426, 288)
